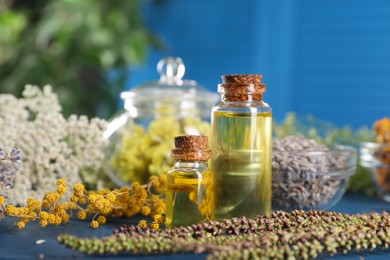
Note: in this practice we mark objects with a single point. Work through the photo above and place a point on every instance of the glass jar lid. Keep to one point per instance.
(171, 87)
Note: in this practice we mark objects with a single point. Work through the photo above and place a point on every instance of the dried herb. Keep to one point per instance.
(127, 202)
(136, 154)
(375, 156)
(299, 234)
(382, 130)
(301, 173)
(53, 147)
(330, 134)
(9, 165)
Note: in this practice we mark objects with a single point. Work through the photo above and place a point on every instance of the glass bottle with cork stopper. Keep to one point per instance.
(241, 144)
(189, 197)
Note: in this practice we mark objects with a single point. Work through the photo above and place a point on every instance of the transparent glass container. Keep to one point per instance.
(375, 158)
(141, 135)
(189, 190)
(311, 179)
(241, 144)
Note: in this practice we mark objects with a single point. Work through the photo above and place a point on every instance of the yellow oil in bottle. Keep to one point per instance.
(241, 163)
(189, 197)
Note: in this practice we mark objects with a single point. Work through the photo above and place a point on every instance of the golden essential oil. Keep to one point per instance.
(189, 194)
(242, 164)
(188, 197)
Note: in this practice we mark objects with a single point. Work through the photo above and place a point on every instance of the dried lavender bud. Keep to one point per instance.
(298, 181)
(9, 165)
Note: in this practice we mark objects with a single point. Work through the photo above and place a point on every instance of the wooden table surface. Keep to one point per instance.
(20, 244)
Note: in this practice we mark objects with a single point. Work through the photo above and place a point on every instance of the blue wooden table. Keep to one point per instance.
(21, 244)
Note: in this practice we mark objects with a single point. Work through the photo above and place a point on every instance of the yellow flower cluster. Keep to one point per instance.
(2, 200)
(206, 206)
(49, 211)
(126, 202)
(382, 130)
(141, 153)
(123, 202)
(155, 224)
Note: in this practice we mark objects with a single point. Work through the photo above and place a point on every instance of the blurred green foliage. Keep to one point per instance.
(329, 134)
(72, 45)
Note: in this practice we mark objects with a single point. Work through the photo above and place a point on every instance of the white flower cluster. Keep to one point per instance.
(53, 147)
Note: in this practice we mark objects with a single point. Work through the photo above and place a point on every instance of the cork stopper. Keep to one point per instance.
(191, 148)
(241, 87)
(242, 78)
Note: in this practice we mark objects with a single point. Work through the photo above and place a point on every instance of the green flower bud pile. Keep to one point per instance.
(298, 234)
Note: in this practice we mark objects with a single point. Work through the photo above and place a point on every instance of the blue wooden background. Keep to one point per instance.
(329, 58)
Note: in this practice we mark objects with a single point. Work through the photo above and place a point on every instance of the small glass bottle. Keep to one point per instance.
(189, 197)
(241, 144)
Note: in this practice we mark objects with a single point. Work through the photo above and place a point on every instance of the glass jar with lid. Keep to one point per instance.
(140, 136)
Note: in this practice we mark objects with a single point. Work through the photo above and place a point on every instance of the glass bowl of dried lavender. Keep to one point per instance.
(375, 157)
(308, 175)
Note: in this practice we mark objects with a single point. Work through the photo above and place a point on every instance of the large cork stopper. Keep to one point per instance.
(242, 78)
(241, 87)
(191, 148)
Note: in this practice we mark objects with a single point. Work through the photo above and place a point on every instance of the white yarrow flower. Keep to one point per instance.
(53, 147)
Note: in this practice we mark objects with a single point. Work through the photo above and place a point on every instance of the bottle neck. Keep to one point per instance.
(190, 164)
(239, 92)
(241, 98)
